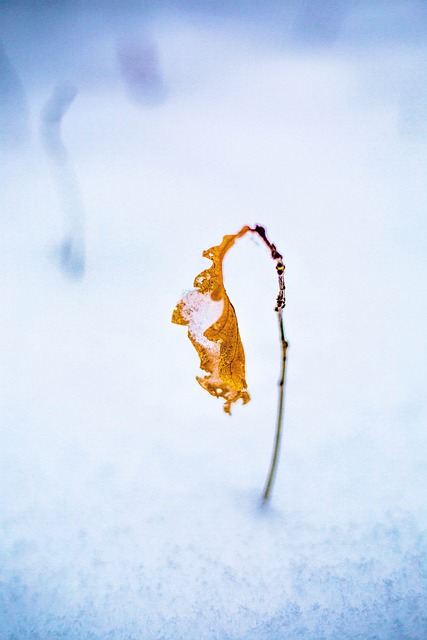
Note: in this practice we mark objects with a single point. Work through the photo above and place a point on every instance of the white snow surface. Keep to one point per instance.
(129, 502)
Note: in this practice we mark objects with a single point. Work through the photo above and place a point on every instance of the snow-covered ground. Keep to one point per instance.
(129, 502)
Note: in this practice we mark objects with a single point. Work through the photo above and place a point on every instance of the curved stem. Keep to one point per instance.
(280, 305)
(276, 449)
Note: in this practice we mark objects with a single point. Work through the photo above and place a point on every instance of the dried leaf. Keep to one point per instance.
(213, 330)
(219, 345)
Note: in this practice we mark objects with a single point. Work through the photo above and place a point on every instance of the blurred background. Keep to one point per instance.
(134, 135)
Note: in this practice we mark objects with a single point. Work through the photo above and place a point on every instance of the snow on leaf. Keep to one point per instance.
(213, 329)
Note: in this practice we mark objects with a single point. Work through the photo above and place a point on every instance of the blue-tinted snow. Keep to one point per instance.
(129, 502)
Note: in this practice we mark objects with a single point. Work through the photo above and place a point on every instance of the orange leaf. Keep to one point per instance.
(219, 345)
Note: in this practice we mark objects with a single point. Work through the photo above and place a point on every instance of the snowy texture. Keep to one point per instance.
(130, 505)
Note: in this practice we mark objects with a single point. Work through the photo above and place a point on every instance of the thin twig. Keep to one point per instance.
(275, 456)
(280, 305)
(72, 250)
